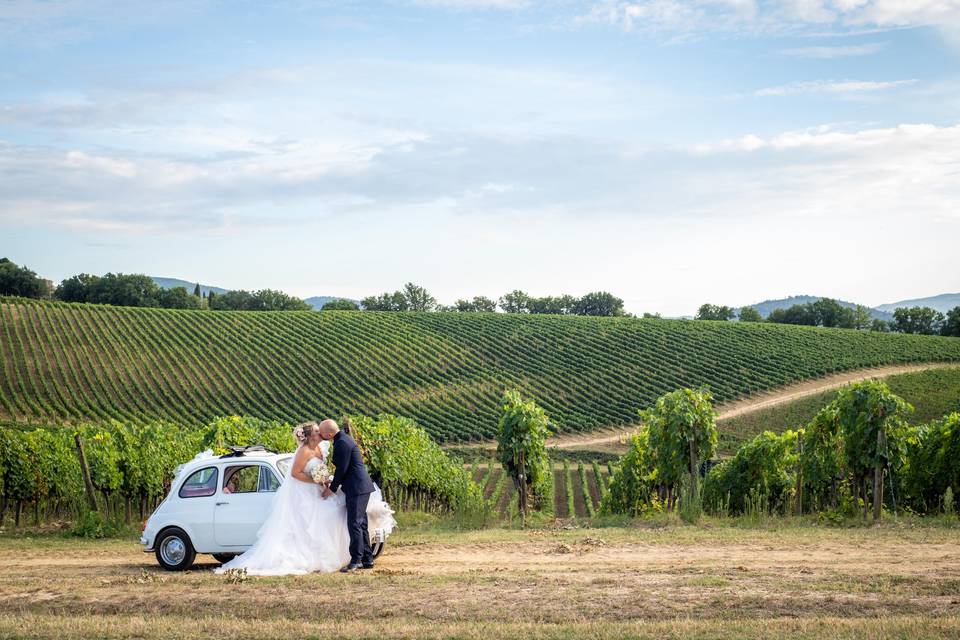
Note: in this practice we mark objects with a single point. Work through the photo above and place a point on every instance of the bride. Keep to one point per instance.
(305, 532)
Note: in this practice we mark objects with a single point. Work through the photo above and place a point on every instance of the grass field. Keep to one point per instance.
(62, 363)
(933, 394)
(653, 579)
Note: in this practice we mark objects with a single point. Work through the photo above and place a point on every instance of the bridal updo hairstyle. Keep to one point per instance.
(303, 430)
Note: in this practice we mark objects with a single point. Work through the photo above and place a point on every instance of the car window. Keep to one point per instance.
(201, 483)
(268, 479)
(283, 464)
(241, 479)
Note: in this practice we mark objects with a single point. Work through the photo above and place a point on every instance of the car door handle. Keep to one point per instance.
(220, 503)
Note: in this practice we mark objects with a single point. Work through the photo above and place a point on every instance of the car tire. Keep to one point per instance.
(174, 551)
(224, 558)
(377, 549)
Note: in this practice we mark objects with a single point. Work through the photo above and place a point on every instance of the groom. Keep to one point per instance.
(352, 475)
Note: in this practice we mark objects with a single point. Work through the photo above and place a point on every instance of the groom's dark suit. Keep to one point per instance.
(351, 474)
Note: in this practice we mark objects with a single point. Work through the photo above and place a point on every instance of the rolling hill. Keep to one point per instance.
(942, 303)
(316, 302)
(71, 362)
(172, 283)
(766, 307)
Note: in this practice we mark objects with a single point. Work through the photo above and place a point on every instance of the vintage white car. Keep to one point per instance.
(216, 505)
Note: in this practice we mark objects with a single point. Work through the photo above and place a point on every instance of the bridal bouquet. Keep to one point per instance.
(321, 474)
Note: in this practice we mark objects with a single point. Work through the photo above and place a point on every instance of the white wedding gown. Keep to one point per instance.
(305, 532)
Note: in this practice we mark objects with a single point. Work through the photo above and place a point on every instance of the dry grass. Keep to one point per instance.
(897, 580)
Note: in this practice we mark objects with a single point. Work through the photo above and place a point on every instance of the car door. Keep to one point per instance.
(195, 504)
(243, 503)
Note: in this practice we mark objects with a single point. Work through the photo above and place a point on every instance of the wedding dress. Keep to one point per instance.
(304, 532)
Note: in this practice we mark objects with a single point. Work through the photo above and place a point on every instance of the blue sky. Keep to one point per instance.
(670, 151)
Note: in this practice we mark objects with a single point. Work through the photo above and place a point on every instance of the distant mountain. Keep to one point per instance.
(768, 306)
(316, 302)
(173, 283)
(942, 303)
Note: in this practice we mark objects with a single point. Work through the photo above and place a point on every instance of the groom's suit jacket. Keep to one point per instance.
(351, 474)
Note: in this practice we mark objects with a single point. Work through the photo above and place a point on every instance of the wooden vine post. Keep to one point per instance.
(522, 489)
(85, 471)
(878, 474)
(799, 473)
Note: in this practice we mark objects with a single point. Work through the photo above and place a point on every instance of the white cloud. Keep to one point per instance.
(775, 16)
(474, 4)
(829, 53)
(832, 86)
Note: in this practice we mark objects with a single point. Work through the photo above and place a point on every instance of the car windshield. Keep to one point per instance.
(283, 464)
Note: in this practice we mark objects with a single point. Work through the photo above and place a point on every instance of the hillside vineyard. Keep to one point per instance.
(88, 363)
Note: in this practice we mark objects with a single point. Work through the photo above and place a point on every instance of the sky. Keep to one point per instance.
(673, 152)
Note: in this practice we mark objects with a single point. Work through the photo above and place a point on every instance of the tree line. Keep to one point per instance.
(827, 312)
(413, 297)
(138, 290)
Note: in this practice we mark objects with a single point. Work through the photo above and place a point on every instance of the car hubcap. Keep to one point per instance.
(173, 551)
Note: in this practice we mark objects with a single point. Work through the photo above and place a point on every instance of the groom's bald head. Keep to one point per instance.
(328, 429)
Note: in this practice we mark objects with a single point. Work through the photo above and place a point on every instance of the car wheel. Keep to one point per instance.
(175, 552)
(377, 548)
(224, 558)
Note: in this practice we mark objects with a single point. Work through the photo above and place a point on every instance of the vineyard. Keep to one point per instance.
(578, 487)
(72, 363)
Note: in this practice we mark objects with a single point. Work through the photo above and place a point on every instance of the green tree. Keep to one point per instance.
(418, 298)
(872, 422)
(273, 300)
(862, 319)
(477, 304)
(385, 302)
(515, 302)
(196, 291)
(951, 325)
(521, 446)
(749, 314)
(238, 300)
(802, 314)
(20, 281)
(879, 325)
(830, 313)
(411, 298)
(921, 320)
(76, 288)
(262, 300)
(682, 433)
(714, 312)
(340, 305)
(599, 303)
(177, 298)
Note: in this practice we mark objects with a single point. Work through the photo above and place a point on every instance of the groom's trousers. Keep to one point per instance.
(360, 551)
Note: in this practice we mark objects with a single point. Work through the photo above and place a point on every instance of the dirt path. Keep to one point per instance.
(553, 576)
(756, 402)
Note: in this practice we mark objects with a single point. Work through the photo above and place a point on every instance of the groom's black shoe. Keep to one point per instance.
(350, 568)
(368, 565)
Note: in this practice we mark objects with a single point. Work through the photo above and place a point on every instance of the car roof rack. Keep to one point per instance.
(237, 451)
